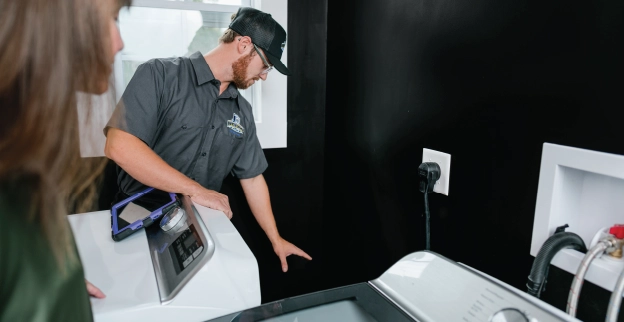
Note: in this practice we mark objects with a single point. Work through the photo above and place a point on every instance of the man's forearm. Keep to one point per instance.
(144, 165)
(257, 194)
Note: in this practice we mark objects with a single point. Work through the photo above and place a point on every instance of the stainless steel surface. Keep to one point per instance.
(166, 247)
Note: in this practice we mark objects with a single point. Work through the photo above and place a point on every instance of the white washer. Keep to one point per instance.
(200, 270)
(422, 286)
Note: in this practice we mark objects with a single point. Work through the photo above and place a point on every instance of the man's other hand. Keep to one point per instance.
(284, 249)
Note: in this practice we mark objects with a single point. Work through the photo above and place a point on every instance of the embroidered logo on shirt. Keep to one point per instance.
(235, 127)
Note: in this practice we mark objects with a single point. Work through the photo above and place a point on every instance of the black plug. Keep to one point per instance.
(428, 174)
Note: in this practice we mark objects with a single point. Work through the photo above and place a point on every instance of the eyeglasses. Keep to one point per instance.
(264, 60)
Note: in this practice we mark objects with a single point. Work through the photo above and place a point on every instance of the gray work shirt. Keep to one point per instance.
(174, 106)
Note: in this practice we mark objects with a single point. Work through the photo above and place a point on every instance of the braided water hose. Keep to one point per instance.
(616, 299)
(579, 278)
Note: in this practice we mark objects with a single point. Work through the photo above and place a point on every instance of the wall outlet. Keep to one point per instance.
(444, 161)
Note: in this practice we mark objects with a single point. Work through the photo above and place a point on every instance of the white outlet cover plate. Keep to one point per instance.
(444, 161)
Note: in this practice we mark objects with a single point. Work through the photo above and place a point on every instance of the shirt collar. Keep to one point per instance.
(202, 71)
(232, 90)
(205, 75)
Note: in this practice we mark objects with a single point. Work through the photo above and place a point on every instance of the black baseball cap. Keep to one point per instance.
(265, 33)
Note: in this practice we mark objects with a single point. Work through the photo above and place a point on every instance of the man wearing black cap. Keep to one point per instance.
(182, 126)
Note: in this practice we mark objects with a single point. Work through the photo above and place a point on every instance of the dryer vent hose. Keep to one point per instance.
(553, 244)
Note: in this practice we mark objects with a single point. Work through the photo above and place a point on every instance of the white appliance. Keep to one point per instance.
(422, 286)
(200, 270)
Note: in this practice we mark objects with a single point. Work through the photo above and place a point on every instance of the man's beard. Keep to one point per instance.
(240, 72)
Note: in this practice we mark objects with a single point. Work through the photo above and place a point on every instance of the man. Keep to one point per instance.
(182, 125)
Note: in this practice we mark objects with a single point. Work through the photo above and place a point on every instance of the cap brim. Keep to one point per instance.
(277, 63)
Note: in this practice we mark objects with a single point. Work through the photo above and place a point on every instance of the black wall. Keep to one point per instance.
(487, 81)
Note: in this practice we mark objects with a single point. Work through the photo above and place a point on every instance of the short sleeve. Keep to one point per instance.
(252, 162)
(138, 110)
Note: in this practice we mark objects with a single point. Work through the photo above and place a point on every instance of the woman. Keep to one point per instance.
(49, 51)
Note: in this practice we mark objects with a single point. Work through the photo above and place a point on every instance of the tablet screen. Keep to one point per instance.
(140, 208)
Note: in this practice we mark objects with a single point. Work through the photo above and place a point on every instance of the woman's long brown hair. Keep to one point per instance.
(49, 51)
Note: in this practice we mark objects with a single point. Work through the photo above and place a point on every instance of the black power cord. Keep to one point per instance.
(428, 174)
(427, 226)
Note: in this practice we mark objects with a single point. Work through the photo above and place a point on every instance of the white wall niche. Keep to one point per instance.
(584, 189)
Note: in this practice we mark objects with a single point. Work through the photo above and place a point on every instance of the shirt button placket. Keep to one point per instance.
(209, 136)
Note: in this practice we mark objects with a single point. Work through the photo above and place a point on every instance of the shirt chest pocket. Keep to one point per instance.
(185, 122)
(181, 130)
(226, 136)
(226, 148)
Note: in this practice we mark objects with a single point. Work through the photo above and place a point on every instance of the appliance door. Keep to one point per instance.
(358, 303)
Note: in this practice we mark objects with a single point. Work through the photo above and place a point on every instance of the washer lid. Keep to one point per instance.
(430, 287)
